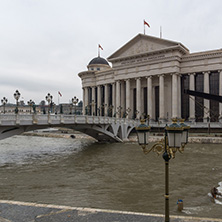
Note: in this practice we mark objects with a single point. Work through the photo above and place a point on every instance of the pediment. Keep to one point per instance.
(143, 44)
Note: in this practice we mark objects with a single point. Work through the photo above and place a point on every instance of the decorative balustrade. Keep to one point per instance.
(52, 119)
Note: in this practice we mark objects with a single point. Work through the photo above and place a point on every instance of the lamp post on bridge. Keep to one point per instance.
(119, 108)
(175, 139)
(136, 113)
(92, 107)
(4, 101)
(49, 100)
(75, 100)
(98, 111)
(128, 110)
(17, 95)
(31, 103)
(105, 109)
(110, 110)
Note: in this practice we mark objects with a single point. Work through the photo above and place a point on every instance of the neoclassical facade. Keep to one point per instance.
(148, 77)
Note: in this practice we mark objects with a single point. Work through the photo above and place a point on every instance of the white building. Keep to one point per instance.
(148, 77)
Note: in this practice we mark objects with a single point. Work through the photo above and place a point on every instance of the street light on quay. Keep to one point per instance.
(75, 100)
(4, 100)
(31, 103)
(17, 95)
(175, 139)
(49, 100)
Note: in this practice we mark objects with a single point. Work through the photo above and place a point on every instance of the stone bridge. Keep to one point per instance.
(99, 127)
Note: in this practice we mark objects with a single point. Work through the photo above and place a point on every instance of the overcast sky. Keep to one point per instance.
(44, 44)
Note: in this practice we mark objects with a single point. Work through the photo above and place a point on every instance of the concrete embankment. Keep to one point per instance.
(193, 138)
(14, 211)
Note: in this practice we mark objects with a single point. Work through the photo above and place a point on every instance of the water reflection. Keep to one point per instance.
(112, 176)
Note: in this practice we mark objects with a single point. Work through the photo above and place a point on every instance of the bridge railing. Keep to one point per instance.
(52, 119)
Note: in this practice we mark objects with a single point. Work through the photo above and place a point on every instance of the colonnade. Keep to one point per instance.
(125, 98)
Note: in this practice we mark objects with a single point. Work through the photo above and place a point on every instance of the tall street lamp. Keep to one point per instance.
(175, 138)
(17, 96)
(75, 100)
(128, 110)
(119, 108)
(93, 107)
(98, 111)
(110, 110)
(30, 103)
(4, 101)
(49, 100)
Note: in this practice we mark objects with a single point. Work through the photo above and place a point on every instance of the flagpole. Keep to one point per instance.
(161, 32)
(144, 26)
(98, 51)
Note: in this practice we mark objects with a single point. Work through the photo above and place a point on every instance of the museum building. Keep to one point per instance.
(147, 79)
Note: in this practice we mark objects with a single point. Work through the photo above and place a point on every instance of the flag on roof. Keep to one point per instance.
(146, 23)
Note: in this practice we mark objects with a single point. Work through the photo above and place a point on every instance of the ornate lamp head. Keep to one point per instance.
(174, 134)
(143, 132)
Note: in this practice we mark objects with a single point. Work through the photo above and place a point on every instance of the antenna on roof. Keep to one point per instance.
(161, 32)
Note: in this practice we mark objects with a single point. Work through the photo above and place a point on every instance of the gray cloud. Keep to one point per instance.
(44, 44)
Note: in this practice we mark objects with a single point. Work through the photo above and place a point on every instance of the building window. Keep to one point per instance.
(185, 106)
(98, 69)
(214, 89)
(199, 102)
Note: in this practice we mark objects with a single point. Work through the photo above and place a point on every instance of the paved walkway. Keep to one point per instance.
(13, 211)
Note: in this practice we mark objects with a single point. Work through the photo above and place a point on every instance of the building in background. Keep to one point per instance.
(148, 77)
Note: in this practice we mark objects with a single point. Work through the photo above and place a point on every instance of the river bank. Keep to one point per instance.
(68, 133)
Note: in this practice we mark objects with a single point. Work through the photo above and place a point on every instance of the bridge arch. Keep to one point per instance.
(100, 128)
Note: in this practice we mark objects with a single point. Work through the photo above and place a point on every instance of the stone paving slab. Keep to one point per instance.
(14, 211)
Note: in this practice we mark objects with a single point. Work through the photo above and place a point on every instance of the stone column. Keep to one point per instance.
(98, 100)
(138, 97)
(93, 100)
(83, 105)
(220, 94)
(106, 100)
(113, 98)
(128, 98)
(174, 96)
(118, 110)
(192, 98)
(150, 98)
(179, 95)
(161, 98)
(123, 98)
(87, 100)
(206, 101)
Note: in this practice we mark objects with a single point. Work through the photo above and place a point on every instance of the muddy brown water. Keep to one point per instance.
(82, 173)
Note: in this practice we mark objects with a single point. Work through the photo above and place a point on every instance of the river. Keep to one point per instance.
(82, 173)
